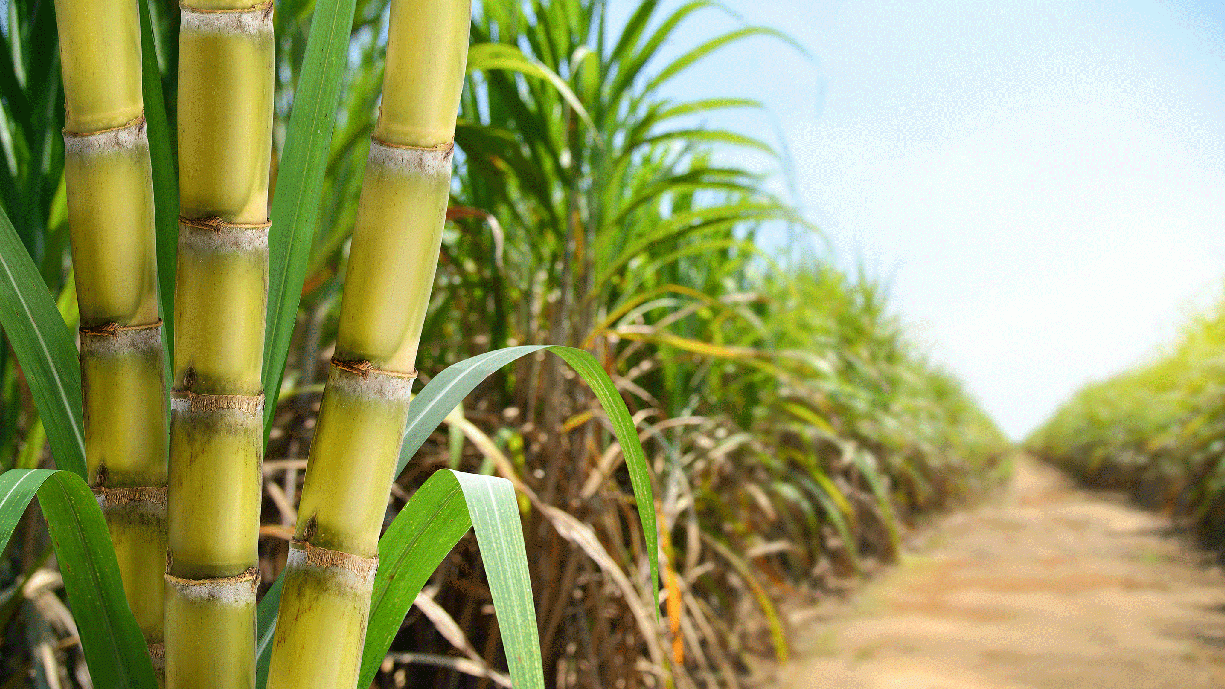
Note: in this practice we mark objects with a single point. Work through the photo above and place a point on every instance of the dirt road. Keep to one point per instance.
(1043, 587)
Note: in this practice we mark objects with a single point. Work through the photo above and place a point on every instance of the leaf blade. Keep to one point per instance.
(114, 646)
(165, 177)
(295, 207)
(44, 349)
(447, 389)
(428, 527)
(494, 511)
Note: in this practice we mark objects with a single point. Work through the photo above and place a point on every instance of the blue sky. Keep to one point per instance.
(1041, 183)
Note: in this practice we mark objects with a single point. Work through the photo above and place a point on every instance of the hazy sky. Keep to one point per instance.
(1041, 183)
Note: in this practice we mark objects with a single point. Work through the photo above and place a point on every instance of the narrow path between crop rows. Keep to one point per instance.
(1045, 586)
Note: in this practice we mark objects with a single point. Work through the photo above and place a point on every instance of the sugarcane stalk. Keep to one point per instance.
(394, 252)
(225, 97)
(108, 180)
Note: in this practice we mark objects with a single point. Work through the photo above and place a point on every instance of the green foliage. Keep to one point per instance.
(114, 646)
(775, 415)
(165, 178)
(45, 349)
(1155, 430)
(295, 206)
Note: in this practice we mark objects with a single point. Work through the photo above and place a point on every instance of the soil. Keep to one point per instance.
(1044, 586)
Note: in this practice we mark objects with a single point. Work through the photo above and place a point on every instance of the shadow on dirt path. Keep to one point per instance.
(1046, 586)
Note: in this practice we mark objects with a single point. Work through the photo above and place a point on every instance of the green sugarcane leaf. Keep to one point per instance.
(265, 629)
(489, 56)
(428, 527)
(295, 207)
(114, 647)
(440, 512)
(447, 389)
(494, 512)
(687, 60)
(165, 177)
(394, 590)
(44, 348)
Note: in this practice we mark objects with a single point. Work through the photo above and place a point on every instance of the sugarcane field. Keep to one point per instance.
(612, 344)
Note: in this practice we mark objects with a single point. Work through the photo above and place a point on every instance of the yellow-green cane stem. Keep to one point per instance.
(100, 61)
(214, 486)
(216, 449)
(136, 518)
(325, 605)
(109, 187)
(125, 449)
(392, 260)
(427, 51)
(361, 424)
(125, 422)
(220, 295)
(210, 631)
(110, 216)
(110, 208)
(226, 83)
(330, 571)
(394, 254)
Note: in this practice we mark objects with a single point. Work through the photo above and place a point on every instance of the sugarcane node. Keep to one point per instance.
(114, 498)
(220, 225)
(134, 505)
(109, 140)
(303, 555)
(364, 368)
(235, 590)
(157, 655)
(110, 338)
(185, 401)
(113, 329)
(426, 160)
(361, 378)
(241, 20)
(213, 234)
(360, 367)
(265, 6)
(101, 475)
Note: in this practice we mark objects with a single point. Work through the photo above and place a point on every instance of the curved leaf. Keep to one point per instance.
(685, 61)
(427, 528)
(706, 105)
(447, 389)
(165, 178)
(295, 207)
(114, 647)
(45, 349)
(632, 65)
(488, 56)
(420, 536)
(494, 511)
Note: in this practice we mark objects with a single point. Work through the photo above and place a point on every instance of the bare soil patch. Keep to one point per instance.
(1045, 586)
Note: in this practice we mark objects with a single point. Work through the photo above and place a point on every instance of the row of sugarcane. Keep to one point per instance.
(183, 506)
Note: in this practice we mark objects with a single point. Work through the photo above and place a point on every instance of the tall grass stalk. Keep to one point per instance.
(332, 561)
(225, 100)
(110, 207)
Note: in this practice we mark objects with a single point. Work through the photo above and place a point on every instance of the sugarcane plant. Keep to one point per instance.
(345, 590)
(109, 188)
(333, 556)
(226, 84)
